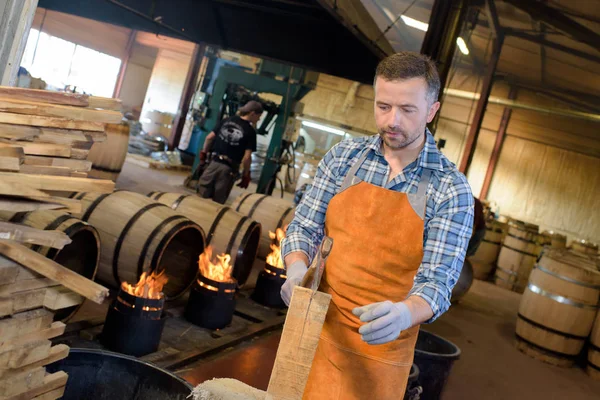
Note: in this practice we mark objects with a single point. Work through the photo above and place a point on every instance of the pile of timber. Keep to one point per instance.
(44, 141)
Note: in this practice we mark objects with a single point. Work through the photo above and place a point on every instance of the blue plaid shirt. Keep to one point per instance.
(448, 219)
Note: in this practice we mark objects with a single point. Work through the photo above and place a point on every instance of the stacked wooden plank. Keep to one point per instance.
(45, 138)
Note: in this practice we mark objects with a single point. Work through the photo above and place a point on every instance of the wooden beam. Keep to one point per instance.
(477, 121)
(29, 235)
(74, 165)
(51, 383)
(14, 188)
(44, 170)
(62, 183)
(12, 164)
(19, 204)
(50, 122)
(53, 110)
(48, 268)
(45, 96)
(39, 149)
(492, 16)
(124, 63)
(105, 103)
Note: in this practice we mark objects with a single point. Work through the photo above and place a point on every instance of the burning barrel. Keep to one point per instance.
(80, 256)
(135, 321)
(212, 299)
(268, 286)
(139, 235)
(226, 230)
(270, 212)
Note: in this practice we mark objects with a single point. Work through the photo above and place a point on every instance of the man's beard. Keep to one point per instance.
(399, 141)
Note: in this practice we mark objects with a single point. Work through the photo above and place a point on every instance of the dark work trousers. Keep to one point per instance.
(216, 182)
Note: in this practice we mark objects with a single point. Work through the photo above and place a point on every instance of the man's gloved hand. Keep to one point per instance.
(245, 181)
(203, 156)
(295, 272)
(386, 320)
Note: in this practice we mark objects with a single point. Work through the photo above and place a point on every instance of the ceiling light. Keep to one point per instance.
(323, 128)
(414, 23)
(462, 46)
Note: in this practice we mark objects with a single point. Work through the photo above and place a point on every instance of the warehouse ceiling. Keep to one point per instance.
(306, 33)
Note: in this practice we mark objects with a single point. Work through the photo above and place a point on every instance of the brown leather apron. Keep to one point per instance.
(378, 236)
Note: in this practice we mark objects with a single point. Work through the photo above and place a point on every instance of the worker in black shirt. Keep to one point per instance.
(231, 143)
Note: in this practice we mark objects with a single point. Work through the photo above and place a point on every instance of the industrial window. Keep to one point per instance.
(63, 64)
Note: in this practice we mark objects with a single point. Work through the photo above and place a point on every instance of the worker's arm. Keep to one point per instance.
(246, 161)
(208, 142)
(447, 237)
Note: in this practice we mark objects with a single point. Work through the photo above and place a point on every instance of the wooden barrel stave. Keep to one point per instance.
(108, 157)
(226, 230)
(140, 235)
(484, 259)
(270, 212)
(516, 260)
(593, 367)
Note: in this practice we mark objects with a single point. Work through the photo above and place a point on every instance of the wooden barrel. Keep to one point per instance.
(554, 239)
(140, 235)
(465, 280)
(226, 230)
(484, 259)
(108, 157)
(593, 364)
(517, 257)
(584, 246)
(81, 255)
(558, 307)
(270, 212)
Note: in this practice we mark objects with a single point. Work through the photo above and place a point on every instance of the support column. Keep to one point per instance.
(489, 174)
(16, 17)
(188, 92)
(124, 63)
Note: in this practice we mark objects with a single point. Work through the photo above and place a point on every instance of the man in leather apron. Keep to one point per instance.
(400, 215)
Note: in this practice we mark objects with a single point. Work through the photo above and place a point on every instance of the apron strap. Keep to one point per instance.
(351, 179)
(418, 200)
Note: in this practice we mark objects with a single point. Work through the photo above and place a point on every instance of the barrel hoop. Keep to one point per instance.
(77, 226)
(545, 350)
(594, 347)
(177, 202)
(242, 201)
(151, 194)
(123, 234)
(52, 226)
(489, 241)
(594, 366)
(519, 251)
(157, 195)
(521, 239)
(236, 232)
(554, 331)
(92, 207)
(104, 169)
(256, 204)
(567, 279)
(149, 240)
(559, 299)
(508, 271)
(283, 216)
(244, 242)
(18, 217)
(161, 245)
(79, 196)
(72, 195)
(215, 222)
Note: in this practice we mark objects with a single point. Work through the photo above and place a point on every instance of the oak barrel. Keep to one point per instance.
(584, 246)
(558, 307)
(226, 230)
(517, 257)
(554, 239)
(140, 235)
(81, 255)
(108, 157)
(593, 360)
(270, 212)
(484, 259)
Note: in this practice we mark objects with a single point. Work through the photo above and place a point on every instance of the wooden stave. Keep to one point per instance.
(593, 356)
(161, 220)
(484, 259)
(246, 204)
(234, 238)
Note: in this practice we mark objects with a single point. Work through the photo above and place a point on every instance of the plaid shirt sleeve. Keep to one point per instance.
(307, 229)
(447, 234)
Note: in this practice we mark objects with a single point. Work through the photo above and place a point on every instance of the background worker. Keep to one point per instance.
(231, 142)
(400, 215)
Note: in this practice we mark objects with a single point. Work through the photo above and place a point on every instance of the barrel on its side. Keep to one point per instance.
(81, 255)
(593, 364)
(585, 247)
(558, 307)
(516, 259)
(140, 235)
(108, 157)
(554, 239)
(484, 259)
(270, 212)
(226, 230)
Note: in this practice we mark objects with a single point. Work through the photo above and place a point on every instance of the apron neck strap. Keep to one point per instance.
(424, 182)
(350, 178)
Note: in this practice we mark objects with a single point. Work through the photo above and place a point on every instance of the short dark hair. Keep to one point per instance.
(252, 106)
(408, 64)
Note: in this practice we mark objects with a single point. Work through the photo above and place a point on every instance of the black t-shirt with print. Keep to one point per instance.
(234, 136)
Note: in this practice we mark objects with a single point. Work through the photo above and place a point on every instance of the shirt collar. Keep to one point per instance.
(429, 157)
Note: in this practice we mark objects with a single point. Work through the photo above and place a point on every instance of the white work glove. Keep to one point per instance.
(295, 272)
(386, 320)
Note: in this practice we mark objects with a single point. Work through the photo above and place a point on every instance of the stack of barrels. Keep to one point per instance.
(554, 239)
(584, 247)
(520, 249)
(558, 309)
(484, 259)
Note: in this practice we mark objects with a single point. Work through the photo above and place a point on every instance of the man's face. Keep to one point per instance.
(402, 111)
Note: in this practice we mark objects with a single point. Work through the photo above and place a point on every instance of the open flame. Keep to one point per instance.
(219, 271)
(274, 258)
(149, 286)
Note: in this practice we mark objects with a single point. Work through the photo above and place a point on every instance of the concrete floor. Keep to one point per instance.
(482, 325)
